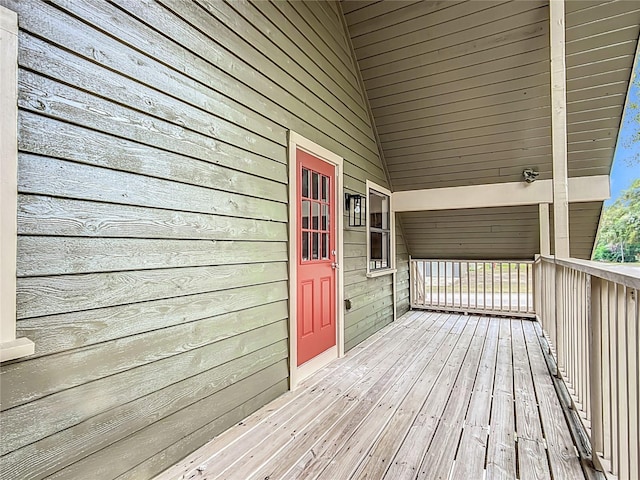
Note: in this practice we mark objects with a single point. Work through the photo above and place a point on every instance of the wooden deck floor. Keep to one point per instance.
(432, 396)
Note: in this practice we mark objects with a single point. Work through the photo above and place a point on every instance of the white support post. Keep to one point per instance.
(559, 129)
(543, 214)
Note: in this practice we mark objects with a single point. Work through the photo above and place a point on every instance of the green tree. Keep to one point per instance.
(619, 237)
(628, 142)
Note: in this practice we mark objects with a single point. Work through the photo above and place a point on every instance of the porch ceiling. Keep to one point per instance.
(460, 90)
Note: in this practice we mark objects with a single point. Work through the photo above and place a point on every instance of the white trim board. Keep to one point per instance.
(10, 346)
(298, 373)
(581, 189)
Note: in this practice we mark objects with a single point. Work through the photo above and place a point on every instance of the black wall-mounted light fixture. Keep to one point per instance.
(354, 203)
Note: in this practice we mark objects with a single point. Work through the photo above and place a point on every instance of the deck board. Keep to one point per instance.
(431, 396)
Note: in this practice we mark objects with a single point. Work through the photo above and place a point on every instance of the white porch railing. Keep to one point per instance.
(589, 313)
(474, 286)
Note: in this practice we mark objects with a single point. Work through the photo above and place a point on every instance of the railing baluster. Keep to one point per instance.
(494, 282)
(631, 323)
(623, 408)
(595, 365)
(509, 286)
(468, 286)
(559, 317)
(527, 276)
(613, 376)
(430, 283)
(606, 370)
(501, 289)
(438, 282)
(475, 278)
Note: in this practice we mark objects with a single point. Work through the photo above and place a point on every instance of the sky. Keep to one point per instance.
(626, 160)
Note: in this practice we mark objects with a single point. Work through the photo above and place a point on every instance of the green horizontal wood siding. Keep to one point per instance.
(153, 222)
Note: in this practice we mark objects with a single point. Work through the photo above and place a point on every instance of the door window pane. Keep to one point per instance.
(305, 246)
(305, 183)
(315, 246)
(315, 184)
(325, 217)
(325, 246)
(325, 188)
(306, 205)
(316, 216)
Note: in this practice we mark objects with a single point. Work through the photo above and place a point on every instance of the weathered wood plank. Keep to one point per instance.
(501, 448)
(40, 215)
(360, 293)
(370, 291)
(472, 450)
(330, 21)
(184, 446)
(563, 458)
(295, 43)
(369, 324)
(416, 381)
(64, 102)
(71, 293)
(408, 458)
(57, 333)
(164, 433)
(302, 42)
(39, 256)
(355, 316)
(384, 318)
(532, 458)
(101, 360)
(135, 404)
(318, 449)
(232, 23)
(441, 451)
(325, 122)
(103, 150)
(321, 37)
(363, 353)
(59, 178)
(375, 462)
(174, 98)
(334, 398)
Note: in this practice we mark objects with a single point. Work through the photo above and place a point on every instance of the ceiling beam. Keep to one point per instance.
(581, 189)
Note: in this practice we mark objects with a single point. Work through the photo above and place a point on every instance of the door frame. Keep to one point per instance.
(298, 373)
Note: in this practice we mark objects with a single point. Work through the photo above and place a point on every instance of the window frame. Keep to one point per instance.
(377, 272)
(10, 346)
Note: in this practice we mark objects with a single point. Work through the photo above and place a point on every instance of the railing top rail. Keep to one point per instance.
(626, 275)
(468, 260)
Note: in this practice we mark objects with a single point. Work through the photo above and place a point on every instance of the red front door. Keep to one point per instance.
(316, 256)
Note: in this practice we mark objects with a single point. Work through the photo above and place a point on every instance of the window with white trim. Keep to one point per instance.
(380, 231)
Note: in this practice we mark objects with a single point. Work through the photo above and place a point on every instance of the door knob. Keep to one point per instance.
(334, 265)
